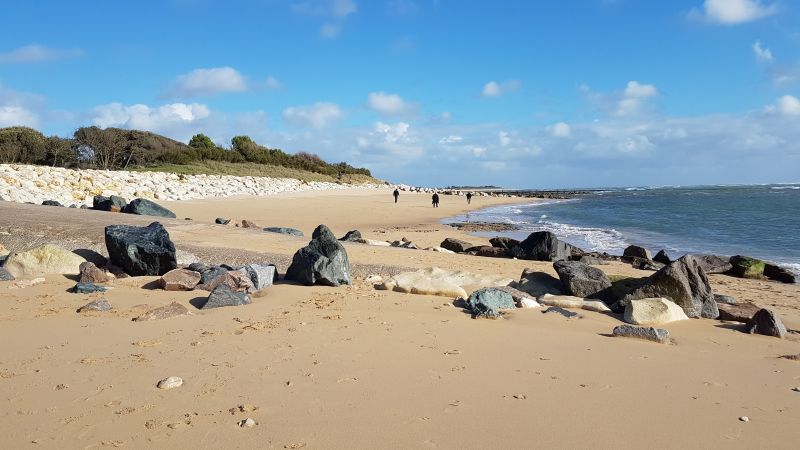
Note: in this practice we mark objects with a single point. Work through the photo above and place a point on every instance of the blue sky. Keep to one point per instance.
(569, 93)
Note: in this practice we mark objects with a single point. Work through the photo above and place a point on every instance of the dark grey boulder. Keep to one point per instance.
(747, 267)
(88, 288)
(455, 245)
(489, 251)
(144, 207)
(198, 267)
(635, 251)
(712, 264)
(662, 257)
(211, 273)
(5, 275)
(323, 261)
(352, 236)
(99, 305)
(561, 311)
(592, 260)
(581, 279)
(223, 295)
(538, 283)
(766, 322)
(504, 242)
(724, 299)
(141, 251)
(545, 246)
(222, 221)
(111, 204)
(777, 273)
(685, 283)
(284, 230)
(659, 335)
(487, 302)
(51, 203)
(645, 264)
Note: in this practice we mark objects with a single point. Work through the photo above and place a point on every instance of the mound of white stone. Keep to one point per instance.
(35, 184)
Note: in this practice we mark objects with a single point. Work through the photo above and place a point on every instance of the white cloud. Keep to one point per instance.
(143, 117)
(35, 53)
(503, 138)
(732, 12)
(495, 89)
(318, 115)
(636, 90)
(402, 7)
(204, 82)
(14, 115)
(788, 105)
(762, 54)
(452, 139)
(634, 97)
(20, 108)
(330, 30)
(388, 104)
(560, 130)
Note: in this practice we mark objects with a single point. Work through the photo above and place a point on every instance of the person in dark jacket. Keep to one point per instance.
(435, 200)
(396, 194)
(469, 197)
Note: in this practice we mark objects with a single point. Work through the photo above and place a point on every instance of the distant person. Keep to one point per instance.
(396, 194)
(435, 200)
(469, 197)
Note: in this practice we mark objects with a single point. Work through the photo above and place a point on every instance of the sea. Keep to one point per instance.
(761, 221)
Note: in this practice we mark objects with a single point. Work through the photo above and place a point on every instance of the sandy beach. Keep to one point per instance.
(355, 367)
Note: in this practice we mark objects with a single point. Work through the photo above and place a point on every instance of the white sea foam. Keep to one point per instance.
(795, 188)
(588, 238)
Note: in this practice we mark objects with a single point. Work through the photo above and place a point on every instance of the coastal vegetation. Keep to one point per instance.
(121, 149)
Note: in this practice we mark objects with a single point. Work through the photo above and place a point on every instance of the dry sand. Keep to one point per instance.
(353, 367)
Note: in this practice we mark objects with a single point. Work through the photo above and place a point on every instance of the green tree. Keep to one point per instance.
(201, 141)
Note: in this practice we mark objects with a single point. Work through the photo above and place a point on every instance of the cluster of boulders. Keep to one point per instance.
(678, 290)
(149, 251)
(545, 246)
(37, 184)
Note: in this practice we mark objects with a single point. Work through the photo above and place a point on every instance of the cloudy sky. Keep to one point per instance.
(567, 93)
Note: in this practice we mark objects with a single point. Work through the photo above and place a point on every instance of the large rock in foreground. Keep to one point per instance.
(144, 207)
(323, 261)
(741, 312)
(43, 260)
(141, 251)
(544, 246)
(685, 283)
(180, 280)
(582, 280)
(222, 296)
(487, 302)
(768, 323)
(653, 311)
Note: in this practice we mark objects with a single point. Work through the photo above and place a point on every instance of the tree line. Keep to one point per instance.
(119, 149)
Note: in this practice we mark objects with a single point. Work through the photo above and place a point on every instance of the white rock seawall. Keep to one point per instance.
(35, 184)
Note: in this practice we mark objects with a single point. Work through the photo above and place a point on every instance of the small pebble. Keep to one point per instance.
(169, 383)
(247, 423)
(744, 419)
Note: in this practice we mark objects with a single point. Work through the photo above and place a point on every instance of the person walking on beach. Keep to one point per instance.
(396, 194)
(469, 197)
(435, 200)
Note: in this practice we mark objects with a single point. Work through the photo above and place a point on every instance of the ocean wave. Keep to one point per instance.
(795, 188)
(637, 189)
(588, 238)
(794, 267)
